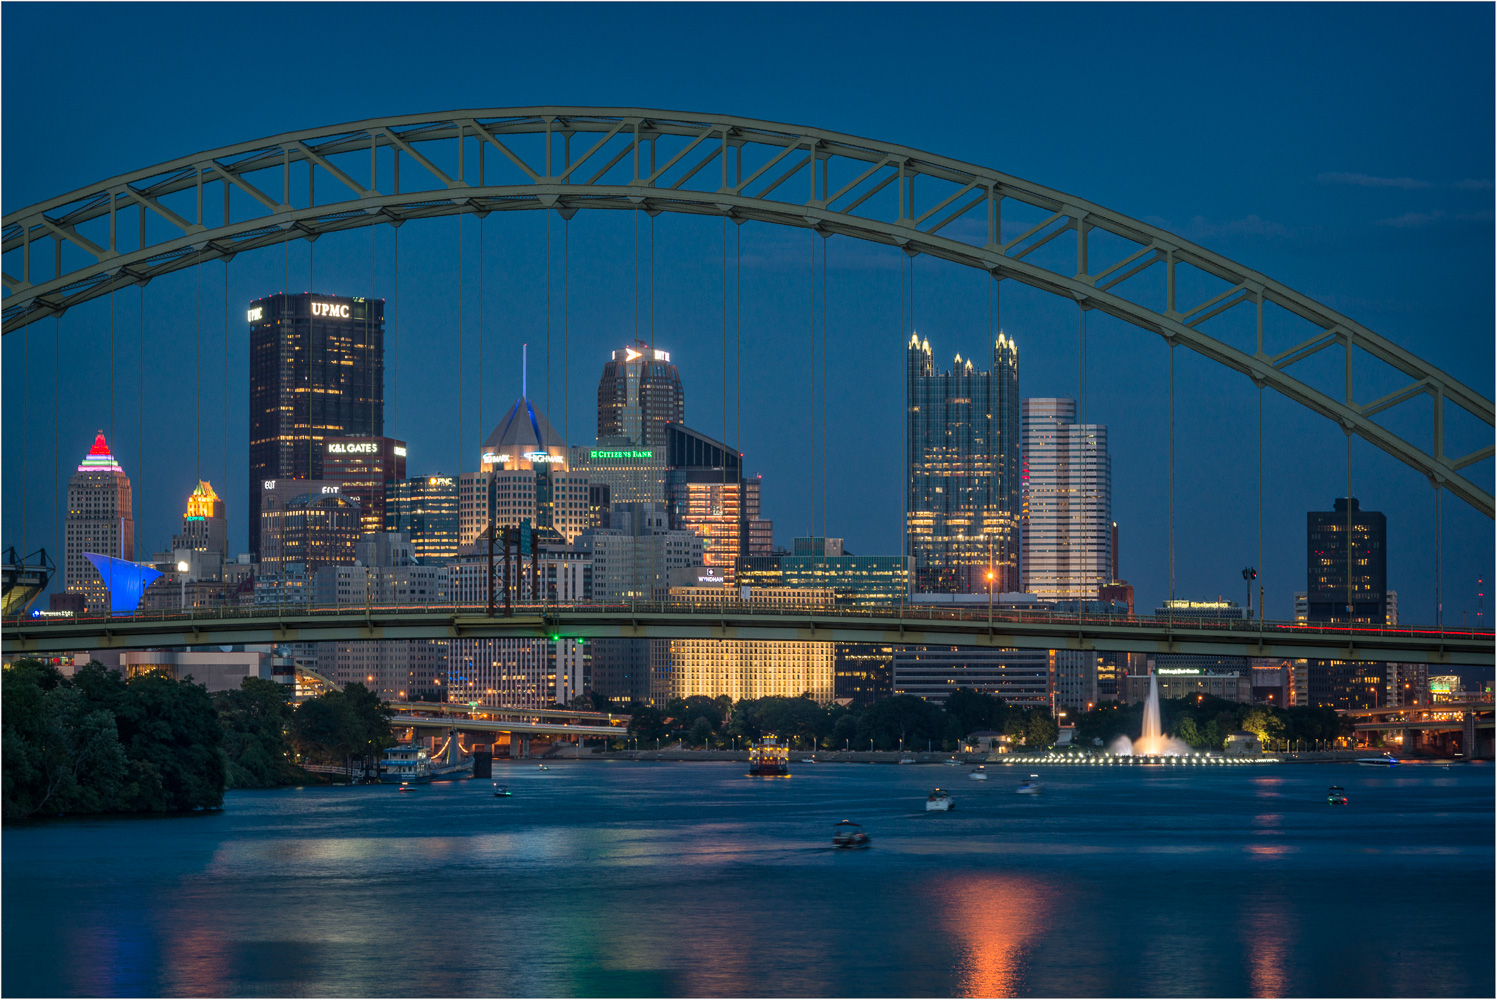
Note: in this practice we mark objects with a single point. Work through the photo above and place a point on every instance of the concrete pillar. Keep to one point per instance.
(1410, 740)
(1468, 735)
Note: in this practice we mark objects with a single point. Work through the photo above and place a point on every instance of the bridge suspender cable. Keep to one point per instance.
(1172, 476)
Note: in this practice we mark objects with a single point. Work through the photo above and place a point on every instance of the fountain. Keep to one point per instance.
(1151, 742)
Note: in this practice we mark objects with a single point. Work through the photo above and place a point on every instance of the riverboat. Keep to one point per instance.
(405, 764)
(939, 801)
(769, 758)
(1336, 796)
(849, 836)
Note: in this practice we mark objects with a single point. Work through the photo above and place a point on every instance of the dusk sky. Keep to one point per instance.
(1345, 150)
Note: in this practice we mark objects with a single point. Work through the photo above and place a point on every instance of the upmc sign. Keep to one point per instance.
(332, 309)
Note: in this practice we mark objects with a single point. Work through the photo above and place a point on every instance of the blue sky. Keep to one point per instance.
(1346, 150)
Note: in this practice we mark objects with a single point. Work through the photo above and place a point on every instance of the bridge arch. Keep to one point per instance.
(741, 168)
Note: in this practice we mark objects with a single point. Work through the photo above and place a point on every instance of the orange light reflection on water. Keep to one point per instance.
(995, 918)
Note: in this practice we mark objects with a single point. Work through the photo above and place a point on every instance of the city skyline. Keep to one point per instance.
(1350, 191)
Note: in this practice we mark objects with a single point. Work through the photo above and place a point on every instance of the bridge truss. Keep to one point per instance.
(570, 158)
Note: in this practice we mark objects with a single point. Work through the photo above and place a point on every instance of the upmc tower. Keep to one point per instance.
(316, 371)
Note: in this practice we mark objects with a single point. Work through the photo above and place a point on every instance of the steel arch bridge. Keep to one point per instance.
(739, 168)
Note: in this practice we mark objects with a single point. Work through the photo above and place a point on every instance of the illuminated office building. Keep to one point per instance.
(523, 475)
(308, 524)
(821, 564)
(425, 509)
(640, 392)
(742, 668)
(1346, 588)
(368, 468)
(521, 673)
(1067, 503)
(205, 525)
(316, 372)
(962, 436)
(100, 521)
(707, 494)
(630, 474)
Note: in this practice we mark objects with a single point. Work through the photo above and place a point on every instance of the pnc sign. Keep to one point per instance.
(335, 310)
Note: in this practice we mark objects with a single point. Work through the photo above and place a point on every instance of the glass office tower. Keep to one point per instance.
(316, 371)
(962, 434)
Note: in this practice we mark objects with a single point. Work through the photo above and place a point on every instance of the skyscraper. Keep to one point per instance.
(639, 393)
(205, 526)
(707, 494)
(100, 521)
(425, 508)
(962, 434)
(1346, 587)
(523, 473)
(368, 468)
(1067, 503)
(316, 371)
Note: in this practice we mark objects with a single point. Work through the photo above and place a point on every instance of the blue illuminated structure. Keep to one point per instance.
(127, 581)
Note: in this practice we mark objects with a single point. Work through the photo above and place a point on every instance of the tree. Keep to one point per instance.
(255, 720)
(701, 732)
(973, 712)
(647, 724)
(61, 753)
(901, 721)
(1040, 729)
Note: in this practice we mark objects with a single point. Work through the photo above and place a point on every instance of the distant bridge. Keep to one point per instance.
(742, 620)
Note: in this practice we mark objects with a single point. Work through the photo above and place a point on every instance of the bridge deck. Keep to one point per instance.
(736, 620)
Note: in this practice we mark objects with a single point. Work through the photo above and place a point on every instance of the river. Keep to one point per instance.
(646, 879)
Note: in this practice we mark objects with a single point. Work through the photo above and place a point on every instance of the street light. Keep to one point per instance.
(1249, 574)
(182, 570)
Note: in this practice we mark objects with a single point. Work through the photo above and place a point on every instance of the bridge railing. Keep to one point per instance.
(740, 608)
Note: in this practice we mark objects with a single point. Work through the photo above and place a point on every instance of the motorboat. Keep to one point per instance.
(1378, 761)
(952, 762)
(907, 760)
(1028, 787)
(849, 835)
(405, 786)
(978, 773)
(501, 791)
(808, 760)
(940, 801)
(1336, 796)
(542, 767)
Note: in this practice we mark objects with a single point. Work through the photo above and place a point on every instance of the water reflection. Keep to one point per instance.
(1266, 928)
(996, 918)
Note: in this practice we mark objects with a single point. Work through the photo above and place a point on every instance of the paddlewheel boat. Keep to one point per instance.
(769, 758)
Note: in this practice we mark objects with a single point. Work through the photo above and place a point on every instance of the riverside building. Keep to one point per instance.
(316, 373)
(740, 668)
(1067, 552)
(962, 436)
(707, 494)
(1346, 570)
(822, 564)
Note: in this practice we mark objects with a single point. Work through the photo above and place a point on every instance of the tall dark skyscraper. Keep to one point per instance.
(962, 433)
(1346, 590)
(639, 393)
(316, 371)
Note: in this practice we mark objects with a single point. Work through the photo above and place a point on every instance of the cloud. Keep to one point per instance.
(1472, 184)
(1365, 180)
(1417, 220)
(1201, 229)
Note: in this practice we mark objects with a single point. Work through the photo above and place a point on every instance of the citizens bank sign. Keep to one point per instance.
(331, 309)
